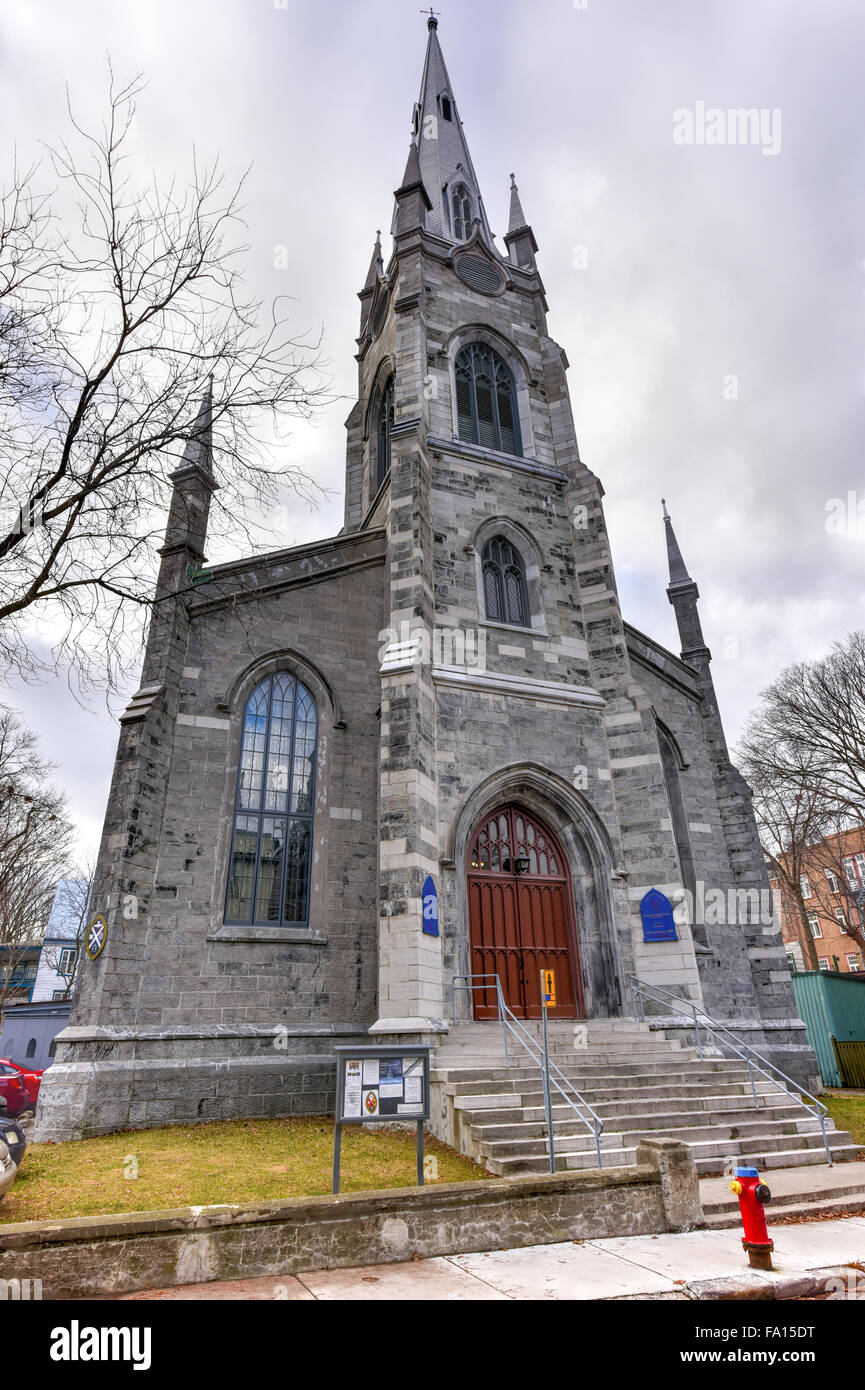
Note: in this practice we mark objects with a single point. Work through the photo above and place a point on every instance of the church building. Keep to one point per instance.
(362, 778)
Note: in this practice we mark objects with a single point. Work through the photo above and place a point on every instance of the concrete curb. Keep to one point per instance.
(840, 1281)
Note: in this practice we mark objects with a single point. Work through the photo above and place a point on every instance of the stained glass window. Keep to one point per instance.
(268, 881)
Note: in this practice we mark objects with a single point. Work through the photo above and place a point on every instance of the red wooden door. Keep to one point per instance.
(520, 917)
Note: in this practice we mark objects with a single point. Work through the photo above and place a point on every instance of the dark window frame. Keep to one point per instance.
(463, 207)
(505, 586)
(261, 813)
(384, 430)
(497, 425)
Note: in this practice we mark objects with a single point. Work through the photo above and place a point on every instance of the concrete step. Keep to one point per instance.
(594, 1057)
(479, 1095)
(701, 1138)
(787, 1158)
(840, 1206)
(640, 1086)
(590, 1075)
(533, 1126)
(762, 1157)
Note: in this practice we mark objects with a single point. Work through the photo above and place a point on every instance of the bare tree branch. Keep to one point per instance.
(110, 332)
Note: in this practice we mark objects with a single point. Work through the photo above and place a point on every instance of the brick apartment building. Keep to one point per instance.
(832, 889)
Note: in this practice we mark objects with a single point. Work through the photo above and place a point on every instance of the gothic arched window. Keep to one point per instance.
(447, 109)
(463, 212)
(506, 597)
(385, 426)
(486, 400)
(31, 1049)
(271, 850)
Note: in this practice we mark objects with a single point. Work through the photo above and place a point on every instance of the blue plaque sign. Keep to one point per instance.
(430, 912)
(657, 914)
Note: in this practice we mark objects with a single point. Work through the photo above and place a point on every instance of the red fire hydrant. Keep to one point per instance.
(753, 1195)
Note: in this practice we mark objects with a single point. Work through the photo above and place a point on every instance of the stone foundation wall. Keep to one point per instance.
(100, 1083)
(120, 1254)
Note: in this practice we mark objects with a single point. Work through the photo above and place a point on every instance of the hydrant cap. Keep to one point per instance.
(747, 1172)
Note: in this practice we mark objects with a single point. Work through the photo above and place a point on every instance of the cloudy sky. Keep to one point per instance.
(709, 295)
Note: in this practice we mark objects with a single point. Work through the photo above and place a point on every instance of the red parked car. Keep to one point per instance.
(19, 1086)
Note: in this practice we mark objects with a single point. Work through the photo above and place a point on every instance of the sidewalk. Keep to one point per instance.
(700, 1265)
(793, 1186)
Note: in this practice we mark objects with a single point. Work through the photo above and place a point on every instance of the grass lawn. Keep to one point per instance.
(848, 1111)
(205, 1165)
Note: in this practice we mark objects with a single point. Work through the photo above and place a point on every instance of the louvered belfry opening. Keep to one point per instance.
(486, 400)
(521, 918)
(506, 598)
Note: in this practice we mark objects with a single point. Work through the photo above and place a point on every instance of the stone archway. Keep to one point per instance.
(597, 881)
(521, 917)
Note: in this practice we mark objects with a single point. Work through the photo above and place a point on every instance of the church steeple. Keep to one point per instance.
(193, 485)
(683, 594)
(412, 200)
(373, 275)
(446, 167)
(520, 239)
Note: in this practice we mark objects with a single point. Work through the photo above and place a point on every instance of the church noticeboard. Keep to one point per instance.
(657, 914)
(380, 1085)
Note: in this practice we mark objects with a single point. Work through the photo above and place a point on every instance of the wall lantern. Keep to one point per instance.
(522, 865)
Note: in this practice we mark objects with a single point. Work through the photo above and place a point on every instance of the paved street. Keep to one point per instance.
(630, 1267)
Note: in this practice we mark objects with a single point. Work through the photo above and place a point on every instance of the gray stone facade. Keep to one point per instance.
(185, 1017)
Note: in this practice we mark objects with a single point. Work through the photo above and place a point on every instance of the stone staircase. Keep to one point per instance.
(640, 1084)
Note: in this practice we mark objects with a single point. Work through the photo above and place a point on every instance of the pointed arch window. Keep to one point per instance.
(506, 597)
(447, 109)
(271, 850)
(463, 207)
(486, 400)
(385, 430)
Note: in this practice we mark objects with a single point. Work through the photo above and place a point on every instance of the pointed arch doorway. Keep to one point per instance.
(521, 915)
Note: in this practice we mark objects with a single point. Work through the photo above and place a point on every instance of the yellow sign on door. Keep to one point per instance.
(549, 978)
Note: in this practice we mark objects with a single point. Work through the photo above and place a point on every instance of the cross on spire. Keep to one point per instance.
(433, 17)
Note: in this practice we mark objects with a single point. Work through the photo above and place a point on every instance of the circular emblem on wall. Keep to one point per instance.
(479, 274)
(97, 935)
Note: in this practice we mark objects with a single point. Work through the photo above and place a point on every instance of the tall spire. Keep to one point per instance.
(520, 239)
(198, 452)
(376, 264)
(193, 485)
(518, 217)
(678, 569)
(443, 152)
(413, 203)
(373, 275)
(683, 594)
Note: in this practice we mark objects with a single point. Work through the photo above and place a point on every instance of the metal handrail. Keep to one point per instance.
(639, 988)
(551, 1074)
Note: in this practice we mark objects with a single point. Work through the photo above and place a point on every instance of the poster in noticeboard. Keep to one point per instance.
(386, 1088)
